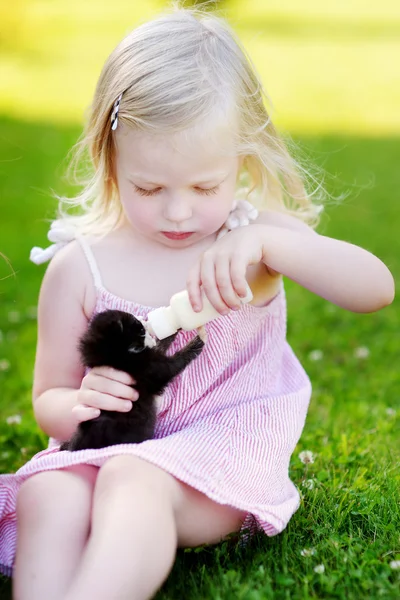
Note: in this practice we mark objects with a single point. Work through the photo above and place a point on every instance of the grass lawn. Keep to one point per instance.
(349, 518)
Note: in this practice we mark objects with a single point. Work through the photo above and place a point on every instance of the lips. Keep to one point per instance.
(171, 235)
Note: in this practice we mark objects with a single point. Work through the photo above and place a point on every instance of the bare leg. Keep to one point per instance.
(53, 516)
(133, 541)
(140, 515)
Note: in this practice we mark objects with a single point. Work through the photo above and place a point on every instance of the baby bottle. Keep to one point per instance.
(165, 321)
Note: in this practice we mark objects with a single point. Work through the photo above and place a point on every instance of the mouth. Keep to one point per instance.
(171, 235)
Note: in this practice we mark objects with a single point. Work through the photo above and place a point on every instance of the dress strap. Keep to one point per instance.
(94, 269)
(61, 234)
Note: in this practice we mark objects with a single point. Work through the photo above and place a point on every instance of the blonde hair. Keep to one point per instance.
(175, 72)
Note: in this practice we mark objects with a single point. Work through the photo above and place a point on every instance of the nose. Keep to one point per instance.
(177, 208)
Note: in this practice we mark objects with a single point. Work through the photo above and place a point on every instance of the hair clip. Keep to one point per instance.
(114, 114)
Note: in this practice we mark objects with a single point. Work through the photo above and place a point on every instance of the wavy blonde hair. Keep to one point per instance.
(175, 72)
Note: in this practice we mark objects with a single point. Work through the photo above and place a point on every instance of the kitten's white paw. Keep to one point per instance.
(202, 333)
(149, 341)
(158, 402)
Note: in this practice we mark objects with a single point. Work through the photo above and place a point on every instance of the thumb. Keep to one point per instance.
(82, 412)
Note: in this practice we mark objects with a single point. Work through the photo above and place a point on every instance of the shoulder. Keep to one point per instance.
(68, 264)
(284, 220)
(69, 274)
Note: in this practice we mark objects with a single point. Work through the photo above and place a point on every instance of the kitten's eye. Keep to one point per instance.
(135, 349)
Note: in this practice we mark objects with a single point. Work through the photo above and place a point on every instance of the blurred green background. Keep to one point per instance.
(329, 66)
(332, 71)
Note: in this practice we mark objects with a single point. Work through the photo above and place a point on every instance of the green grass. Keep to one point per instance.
(351, 515)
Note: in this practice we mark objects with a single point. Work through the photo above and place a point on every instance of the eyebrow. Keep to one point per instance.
(207, 178)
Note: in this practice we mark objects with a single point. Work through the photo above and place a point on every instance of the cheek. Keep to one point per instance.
(139, 213)
(219, 207)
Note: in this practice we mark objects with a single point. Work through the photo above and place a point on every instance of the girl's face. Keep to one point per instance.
(175, 190)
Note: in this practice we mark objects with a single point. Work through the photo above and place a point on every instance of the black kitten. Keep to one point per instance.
(119, 340)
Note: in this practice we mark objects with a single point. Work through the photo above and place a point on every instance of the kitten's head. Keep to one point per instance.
(113, 338)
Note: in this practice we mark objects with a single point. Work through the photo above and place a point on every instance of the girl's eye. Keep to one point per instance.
(207, 191)
(153, 192)
(143, 192)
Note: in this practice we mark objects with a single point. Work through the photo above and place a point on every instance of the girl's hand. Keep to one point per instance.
(104, 388)
(221, 270)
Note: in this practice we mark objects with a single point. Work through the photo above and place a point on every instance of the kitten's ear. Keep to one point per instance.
(136, 348)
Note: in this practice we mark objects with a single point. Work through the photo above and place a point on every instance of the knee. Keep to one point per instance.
(55, 490)
(121, 471)
(35, 494)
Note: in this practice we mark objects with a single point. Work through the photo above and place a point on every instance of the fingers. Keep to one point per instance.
(97, 399)
(193, 284)
(210, 284)
(230, 280)
(98, 383)
(113, 374)
(104, 388)
(83, 413)
(223, 280)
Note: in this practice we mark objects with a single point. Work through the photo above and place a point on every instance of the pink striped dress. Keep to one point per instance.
(226, 426)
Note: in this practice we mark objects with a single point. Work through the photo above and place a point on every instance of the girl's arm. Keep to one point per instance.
(61, 320)
(62, 396)
(340, 272)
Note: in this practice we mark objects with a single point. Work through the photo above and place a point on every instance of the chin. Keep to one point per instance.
(179, 243)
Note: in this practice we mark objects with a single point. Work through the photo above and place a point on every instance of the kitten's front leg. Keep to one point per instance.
(164, 370)
(164, 344)
(184, 357)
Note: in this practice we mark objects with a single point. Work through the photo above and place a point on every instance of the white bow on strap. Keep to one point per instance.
(60, 234)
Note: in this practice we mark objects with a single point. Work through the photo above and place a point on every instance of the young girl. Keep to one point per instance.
(176, 123)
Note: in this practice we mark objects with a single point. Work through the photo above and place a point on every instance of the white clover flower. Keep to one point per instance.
(361, 352)
(390, 412)
(316, 355)
(4, 364)
(14, 420)
(394, 564)
(308, 552)
(309, 484)
(319, 569)
(14, 316)
(31, 312)
(306, 457)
